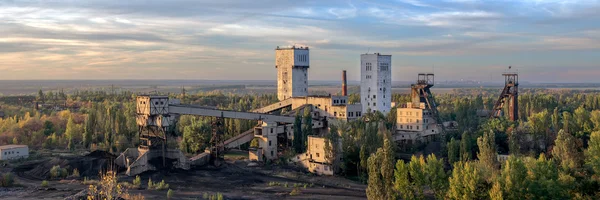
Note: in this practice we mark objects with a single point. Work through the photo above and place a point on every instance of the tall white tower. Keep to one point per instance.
(376, 82)
(292, 72)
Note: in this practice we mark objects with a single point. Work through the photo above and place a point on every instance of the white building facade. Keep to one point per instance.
(10, 152)
(292, 72)
(376, 82)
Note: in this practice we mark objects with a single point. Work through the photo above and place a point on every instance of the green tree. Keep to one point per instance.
(436, 177)
(565, 151)
(402, 183)
(514, 179)
(375, 187)
(467, 182)
(592, 153)
(488, 155)
(453, 151)
(298, 142)
(332, 147)
(89, 129)
(417, 173)
(48, 128)
(387, 165)
(70, 133)
(543, 179)
(41, 96)
(466, 152)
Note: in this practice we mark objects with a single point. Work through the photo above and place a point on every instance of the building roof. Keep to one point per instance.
(12, 146)
(291, 48)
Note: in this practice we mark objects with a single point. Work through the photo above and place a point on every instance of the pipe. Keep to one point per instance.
(344, 84)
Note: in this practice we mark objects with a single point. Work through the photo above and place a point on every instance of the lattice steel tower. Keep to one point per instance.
(510, 95)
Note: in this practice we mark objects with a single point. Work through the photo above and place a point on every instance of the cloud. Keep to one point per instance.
(101, 39)
(343, 13)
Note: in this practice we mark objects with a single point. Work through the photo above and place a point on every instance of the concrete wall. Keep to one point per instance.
(330, 106)
(10, 152)
(376, 82)
(414, 122)
(292, 72)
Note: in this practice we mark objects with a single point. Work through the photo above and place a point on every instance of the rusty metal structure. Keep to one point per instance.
(421, 93)
(344, 84)
(510, 96)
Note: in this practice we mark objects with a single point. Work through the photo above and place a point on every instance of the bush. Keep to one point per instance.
(45, 184)
(157, 186)
(170, 194)
(57, 172)
(137, 182)
(295, 192)
(7, 180)
(75, 173)
(108, 188)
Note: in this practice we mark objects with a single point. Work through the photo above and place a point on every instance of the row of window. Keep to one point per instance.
(338, 101)
(302, 58)
(382, 67)
(10, 152)
(409, 127)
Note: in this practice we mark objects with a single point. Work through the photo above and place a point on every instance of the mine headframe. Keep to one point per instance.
(154, 121)
(217, 148)
(510, 96)
(421, 93)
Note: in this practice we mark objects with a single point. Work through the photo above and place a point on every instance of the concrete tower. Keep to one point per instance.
(376, 82)
(292, 72)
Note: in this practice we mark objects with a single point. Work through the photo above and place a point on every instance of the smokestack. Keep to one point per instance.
(344, 84)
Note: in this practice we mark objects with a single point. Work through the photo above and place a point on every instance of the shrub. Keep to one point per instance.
(157, 186)
(75, 173)
(295, 192)
(205, 196)
(45, 184)
(108, 188)
(219, 196)
(8, 180)
(170, 194)
(57, 172)
(137, 182)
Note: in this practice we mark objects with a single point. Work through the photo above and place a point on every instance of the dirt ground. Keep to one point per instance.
(234, 180)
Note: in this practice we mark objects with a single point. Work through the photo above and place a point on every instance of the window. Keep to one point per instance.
(272, 154)
(401, 126)
(368, 66)
(318, 155)
(384, 66)
(269, 143)
(271, 130)
(374, 96)
(417, 127)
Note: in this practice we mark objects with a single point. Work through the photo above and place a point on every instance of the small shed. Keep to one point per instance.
(10, 152)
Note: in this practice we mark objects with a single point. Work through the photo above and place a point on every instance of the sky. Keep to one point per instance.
(546, 40)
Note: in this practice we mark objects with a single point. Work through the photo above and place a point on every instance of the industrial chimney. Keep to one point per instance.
(344, 84)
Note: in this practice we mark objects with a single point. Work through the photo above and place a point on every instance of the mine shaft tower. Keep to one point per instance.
(421, 92)
(510, 95)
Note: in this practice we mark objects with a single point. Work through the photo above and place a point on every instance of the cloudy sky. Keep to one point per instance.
(547, 40)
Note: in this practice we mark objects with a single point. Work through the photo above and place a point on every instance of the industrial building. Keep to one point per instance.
(315, 159)
(418, 120)
(292, 71)
(11, 152)
(376, 82)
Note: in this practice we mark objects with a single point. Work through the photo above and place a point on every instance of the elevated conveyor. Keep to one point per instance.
(210, 112)
(274, 107)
